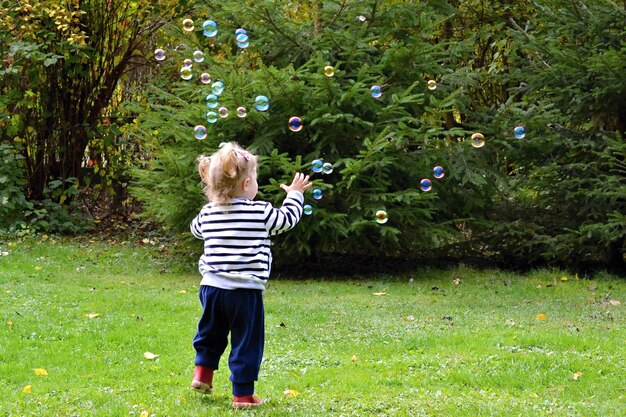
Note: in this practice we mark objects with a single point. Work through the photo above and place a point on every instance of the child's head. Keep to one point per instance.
(228, 173)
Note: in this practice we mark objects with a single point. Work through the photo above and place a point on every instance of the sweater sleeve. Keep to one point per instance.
(195, 227)
(279, 220)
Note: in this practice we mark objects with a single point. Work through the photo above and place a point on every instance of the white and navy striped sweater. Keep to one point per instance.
(237, 252)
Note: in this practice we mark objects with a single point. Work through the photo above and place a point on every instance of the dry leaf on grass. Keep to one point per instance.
(541, 316)
(150, 356)
(290, 393)
(40, 372)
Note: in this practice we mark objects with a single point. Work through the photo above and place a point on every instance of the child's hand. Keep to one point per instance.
(300, 183)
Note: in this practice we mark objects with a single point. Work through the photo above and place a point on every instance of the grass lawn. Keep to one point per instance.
(458, 342)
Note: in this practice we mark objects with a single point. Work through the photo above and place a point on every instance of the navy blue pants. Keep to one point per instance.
(238, 312)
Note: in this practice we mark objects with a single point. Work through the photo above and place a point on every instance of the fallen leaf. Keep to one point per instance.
(37, 268)
(410, 318)
(456, 281)
(150, 356)
(614, 302)
(145, 413)
(354, 359)
(40, 372)
(380, 293)
(576, 375)
(10, 323)
(541, 316)
(93, 315)
(28, 389)
(182, 292)
(510, 322)
(290, 393)
(564, 278)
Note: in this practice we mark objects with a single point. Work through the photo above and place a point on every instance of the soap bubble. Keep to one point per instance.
(438, 172)
(187, 63)
(329, 71)
(376, 91)
(187, 25)
(159, 54)
(327, 168)
(381, 217)
(519, 132)
(295, 124)
(241, 112)
(240, 31)
(211, 117)
(308, 209)
(205, 78)
(426, 184)
(317, 194)
(199, 132)
(432, 84)
(317, 165)
(242, 38)
(243, 45)
(185, 73)
(211, 101)
(209, 28)
(223, 112)
(198, 56)
(217, 88)
(261, 103)
(478, 140)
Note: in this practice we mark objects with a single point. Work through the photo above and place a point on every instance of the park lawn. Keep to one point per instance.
(458, 342)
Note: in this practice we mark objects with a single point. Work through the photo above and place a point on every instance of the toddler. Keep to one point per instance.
(235, 266)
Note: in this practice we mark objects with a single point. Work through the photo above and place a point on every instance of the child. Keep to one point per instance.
(235, 266)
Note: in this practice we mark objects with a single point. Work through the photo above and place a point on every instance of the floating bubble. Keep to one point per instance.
(317, 194)
(327, 168)
(217, 88)
(426, 184)
(431, 84)
(212, 101)
(185, 73)
(329, 71)
(209, 28)
(199, 132)
(308, 209)
(223, 112)
(381, 217)
(242, 38)
(376, 91)
(241, 112)
(159, 54)
(317, 165)
(243, 45)
(478, 140)
(261, 103)
(187, 25)
(187, 63)
(240, 31)
(205, 78)
(295, 124)
(211, 117)
(198, 56)
(519, 132)
(438, 172)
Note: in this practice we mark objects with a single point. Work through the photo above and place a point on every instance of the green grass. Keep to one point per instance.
(427, 347)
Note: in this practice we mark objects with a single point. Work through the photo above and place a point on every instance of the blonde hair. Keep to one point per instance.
(223, 172)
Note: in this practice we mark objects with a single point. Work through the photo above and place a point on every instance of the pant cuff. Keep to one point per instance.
(241, 389)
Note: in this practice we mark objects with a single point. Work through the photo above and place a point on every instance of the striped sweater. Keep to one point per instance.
(237, 249)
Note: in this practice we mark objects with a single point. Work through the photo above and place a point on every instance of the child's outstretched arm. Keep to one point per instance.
(281, 219)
